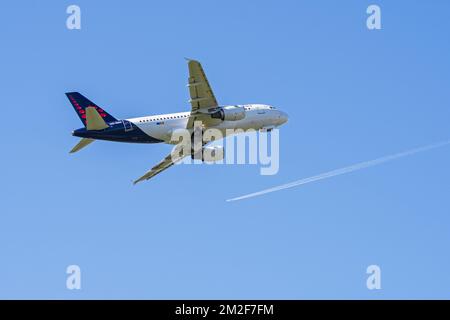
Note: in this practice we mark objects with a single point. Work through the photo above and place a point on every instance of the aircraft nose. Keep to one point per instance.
(282, 118)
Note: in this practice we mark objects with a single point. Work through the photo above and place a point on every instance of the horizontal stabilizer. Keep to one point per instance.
(93, 120)
(80, 145)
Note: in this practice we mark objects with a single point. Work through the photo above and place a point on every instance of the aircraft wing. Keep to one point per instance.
(202, 99)
(200, 91)
(174, 157)
(177, 154)
(201, 95)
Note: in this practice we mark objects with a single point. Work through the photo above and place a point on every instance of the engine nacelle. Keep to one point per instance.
(229, 113)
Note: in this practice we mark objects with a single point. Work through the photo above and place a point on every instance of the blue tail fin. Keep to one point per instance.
(80, 103)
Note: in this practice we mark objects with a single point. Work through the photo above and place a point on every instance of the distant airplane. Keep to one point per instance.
(100, 125)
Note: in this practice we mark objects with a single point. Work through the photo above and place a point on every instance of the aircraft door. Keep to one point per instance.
(128, 126)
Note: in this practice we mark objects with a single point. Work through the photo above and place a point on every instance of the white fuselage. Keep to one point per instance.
(257, 117)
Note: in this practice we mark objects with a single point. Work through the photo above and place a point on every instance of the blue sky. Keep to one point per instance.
(351, 94)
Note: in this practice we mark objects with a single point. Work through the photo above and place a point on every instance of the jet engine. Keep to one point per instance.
(229, 113)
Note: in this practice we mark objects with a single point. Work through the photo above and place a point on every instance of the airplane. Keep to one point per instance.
(100, 125)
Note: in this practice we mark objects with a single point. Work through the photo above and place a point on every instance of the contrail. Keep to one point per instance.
(345, 170)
